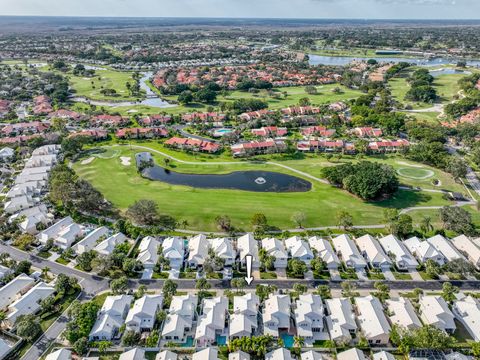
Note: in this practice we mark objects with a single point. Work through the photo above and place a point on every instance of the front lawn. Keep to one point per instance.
(268, 275)
(44, 254)
(348, 275)
(323, 275)
(62, 261)
(402, 276)
(214, 275)
(425, 276)
(161, 275)
(188, 275)
(375, 275)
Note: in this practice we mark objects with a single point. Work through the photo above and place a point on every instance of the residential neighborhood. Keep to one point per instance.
(263, 185)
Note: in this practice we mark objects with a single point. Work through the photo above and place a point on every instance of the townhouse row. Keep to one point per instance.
(309, 317)
(24, 201)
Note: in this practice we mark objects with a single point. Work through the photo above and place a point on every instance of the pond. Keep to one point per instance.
(344, 60)
(257, 181)
(449, 71)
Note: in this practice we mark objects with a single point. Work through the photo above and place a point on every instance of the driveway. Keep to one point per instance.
(388, 275)
(281, 274)
(362, 275)
(335, 275)
(147, 274)
(415, 275)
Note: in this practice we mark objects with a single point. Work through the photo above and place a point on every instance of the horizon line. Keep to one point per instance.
(234, 18)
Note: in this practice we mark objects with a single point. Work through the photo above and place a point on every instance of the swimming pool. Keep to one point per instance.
(221, 132)
(188, 342)
(221, 340)
(287, 340)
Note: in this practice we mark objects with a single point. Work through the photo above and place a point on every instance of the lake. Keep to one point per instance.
(449, 71)
(344, 60)
(257, 181)
(152, 99)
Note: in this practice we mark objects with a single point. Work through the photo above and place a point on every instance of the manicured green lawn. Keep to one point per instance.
(325, 95)
(103, 79)
(348, 275)
(162, 275)
(268, 275)
(431, 117)
(295, 93)
(446, 86)
(123, 186)
(402, 276)
(373, 275)
(425, 276)
(62, 261)
(435, 216)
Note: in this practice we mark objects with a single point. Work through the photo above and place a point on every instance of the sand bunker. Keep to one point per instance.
(87, 161)
(126, 161)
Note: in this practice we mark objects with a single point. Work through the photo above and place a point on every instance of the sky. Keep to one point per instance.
(363, 9)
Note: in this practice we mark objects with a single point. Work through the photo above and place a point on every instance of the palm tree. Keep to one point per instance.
(426, 224)
(299, 341)
(45, 271)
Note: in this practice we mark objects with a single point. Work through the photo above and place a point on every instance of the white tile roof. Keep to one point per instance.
(467, 247)
(403, 313)
(29, 303)
(276, 312)
(53, 231)
(90, 241)
(383, 355)
(148, 251)
(212, 319)
(184, 305)
(349, 252)
(107, 246)
(247, 304)
(274, 247)
(445, 247)
(242, 325)
(247, 245)
(166, 355)
(467, 311)
(279, 354)
(206, 354)
(403, 258)
(352, 354)
(61, 354)
(371, 317)
(142, 314)
(311, 355)
(133, 354)
(223, 248)
(423, 250)
(373, 251)
(298, 248)
(340, 319)
(173, 249)
(9, 292)
(435, 311)
(325, 251)
(308, 314)
(198, 249)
